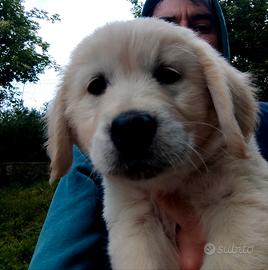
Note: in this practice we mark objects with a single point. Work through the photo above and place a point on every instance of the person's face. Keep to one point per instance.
(191, 15)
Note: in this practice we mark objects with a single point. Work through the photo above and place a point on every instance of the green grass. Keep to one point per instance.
(22, 213)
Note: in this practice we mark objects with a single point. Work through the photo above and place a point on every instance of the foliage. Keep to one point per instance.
(247, 24)
(22, 135)
(22, 213)
(136, 8)
(23, 54)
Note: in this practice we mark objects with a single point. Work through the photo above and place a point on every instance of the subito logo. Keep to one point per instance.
(209, 249)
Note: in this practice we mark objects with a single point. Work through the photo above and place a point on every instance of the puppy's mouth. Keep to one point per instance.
(141, 149)
(139, 168)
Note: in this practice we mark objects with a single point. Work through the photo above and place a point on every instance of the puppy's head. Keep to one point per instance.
(144, 97)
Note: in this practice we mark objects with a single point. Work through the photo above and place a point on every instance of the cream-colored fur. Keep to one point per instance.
(205, 135)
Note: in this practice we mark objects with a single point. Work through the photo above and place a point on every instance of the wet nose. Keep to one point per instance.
(132, 133)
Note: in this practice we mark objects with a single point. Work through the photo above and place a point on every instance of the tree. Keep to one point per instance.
(247, 24)
(23, 54)
(136, 8)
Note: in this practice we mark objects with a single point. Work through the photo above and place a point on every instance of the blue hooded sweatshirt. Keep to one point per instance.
(74, 234)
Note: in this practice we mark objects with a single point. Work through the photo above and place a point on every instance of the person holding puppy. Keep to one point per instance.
(74, 234)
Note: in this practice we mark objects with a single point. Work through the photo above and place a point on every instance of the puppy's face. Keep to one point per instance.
(137, 99)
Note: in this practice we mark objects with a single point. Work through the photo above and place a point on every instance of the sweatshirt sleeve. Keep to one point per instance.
(74, 235)
(262, 129)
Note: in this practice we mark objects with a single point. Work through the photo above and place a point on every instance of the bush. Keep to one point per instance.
(22, 135)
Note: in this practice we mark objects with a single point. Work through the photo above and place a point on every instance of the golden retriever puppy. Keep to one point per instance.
(158, 110)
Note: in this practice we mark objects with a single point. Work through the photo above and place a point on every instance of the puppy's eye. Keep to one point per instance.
(97, 85)
(166, 75)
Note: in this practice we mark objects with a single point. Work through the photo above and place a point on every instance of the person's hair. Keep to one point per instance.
(150, 6)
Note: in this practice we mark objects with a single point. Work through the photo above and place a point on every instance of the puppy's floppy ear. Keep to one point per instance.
(59, 144)
(245, 105)
(233, 100)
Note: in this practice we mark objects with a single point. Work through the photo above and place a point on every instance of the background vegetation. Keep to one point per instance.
(247, 24)
(23, 54)
(23, 202)
(22, 212)
(22, 131)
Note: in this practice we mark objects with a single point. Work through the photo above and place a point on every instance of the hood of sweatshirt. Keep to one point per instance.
(213, 5)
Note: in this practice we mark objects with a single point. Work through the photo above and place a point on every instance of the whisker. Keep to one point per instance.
(199, 156)
(202, 123)
(193, 164)
(170, 160)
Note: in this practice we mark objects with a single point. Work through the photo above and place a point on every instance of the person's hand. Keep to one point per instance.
(190, 236)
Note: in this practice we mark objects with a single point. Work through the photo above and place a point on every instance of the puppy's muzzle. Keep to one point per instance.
(132, 133)
(141, 145)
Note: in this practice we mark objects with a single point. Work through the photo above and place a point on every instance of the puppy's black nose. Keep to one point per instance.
(132, 133)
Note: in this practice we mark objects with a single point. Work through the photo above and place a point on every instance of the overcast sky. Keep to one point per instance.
(78, 19)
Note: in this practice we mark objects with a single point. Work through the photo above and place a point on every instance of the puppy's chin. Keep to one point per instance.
(146, 167)
(139, 169)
